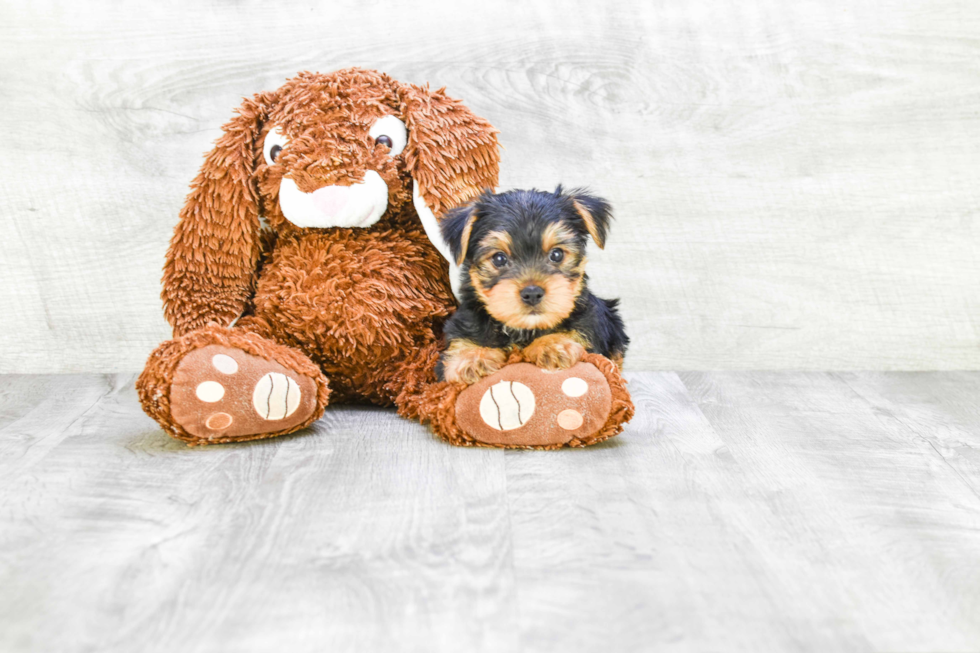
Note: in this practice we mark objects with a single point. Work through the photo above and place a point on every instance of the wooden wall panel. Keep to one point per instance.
(795, 184)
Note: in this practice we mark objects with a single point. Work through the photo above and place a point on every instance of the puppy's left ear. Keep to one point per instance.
(456, 228)
(452, 154)
(595, 213)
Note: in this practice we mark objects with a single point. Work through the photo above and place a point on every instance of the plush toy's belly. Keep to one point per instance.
(358, 302)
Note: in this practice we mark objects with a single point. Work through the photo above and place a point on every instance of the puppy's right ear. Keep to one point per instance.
(595, 212)
(456, 227)
(209, 274)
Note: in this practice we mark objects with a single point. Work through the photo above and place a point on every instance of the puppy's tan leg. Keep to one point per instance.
(557, 351)
(467, 362)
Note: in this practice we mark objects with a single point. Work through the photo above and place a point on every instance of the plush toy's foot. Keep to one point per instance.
(524, 406)
(225, 385)
(221, 393)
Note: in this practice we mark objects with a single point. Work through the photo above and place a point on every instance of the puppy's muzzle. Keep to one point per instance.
(357, 205)
(532, 295)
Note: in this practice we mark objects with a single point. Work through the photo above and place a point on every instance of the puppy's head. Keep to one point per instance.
(522, 252)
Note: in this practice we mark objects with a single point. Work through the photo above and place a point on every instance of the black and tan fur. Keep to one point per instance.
(522, 258)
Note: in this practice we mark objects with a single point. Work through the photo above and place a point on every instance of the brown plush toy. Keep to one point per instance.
(302, 273)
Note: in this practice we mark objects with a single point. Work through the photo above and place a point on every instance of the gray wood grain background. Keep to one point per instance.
(795, 183)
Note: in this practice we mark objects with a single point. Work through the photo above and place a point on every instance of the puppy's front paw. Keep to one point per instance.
(467, 363)
(557, 351)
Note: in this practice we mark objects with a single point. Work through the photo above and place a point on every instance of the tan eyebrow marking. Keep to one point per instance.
(497, 240)
(555, 234)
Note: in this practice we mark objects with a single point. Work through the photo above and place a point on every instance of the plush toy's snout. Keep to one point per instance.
(320, 187)
(357, 205)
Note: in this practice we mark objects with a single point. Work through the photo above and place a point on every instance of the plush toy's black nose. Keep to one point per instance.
(531, 295)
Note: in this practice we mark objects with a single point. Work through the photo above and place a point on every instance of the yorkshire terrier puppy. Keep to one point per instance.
(522, 262)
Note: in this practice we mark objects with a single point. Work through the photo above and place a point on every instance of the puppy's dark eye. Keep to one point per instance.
(499, 259)
(274, 152)
(385, 140)
(556, 255)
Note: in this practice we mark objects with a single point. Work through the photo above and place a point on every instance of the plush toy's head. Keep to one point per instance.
(348, 149)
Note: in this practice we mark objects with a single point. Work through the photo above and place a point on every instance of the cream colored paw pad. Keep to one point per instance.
(276, 396)
(507, 405)
(574, 386)
(210, 391)
(219, 421)
(224, 364)
(570, 419)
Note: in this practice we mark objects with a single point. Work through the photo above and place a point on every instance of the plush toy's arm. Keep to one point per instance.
(209, 274)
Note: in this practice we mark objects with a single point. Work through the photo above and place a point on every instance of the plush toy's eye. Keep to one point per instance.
(556, 255)
(499, 259)
(274, 142)
(390, 132)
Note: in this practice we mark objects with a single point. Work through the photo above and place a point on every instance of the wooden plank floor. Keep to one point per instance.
(739, 511)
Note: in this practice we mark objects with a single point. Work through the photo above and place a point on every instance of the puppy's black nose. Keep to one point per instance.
(531, 295)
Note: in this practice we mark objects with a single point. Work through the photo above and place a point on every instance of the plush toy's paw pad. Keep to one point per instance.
(220, 392)
(524, 405)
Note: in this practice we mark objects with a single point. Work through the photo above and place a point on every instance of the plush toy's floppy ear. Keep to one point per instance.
(595, 213)
(452, 154)
(457, 226)
(209, 274)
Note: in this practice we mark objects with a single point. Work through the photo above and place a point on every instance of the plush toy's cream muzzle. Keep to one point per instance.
(357, 205)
